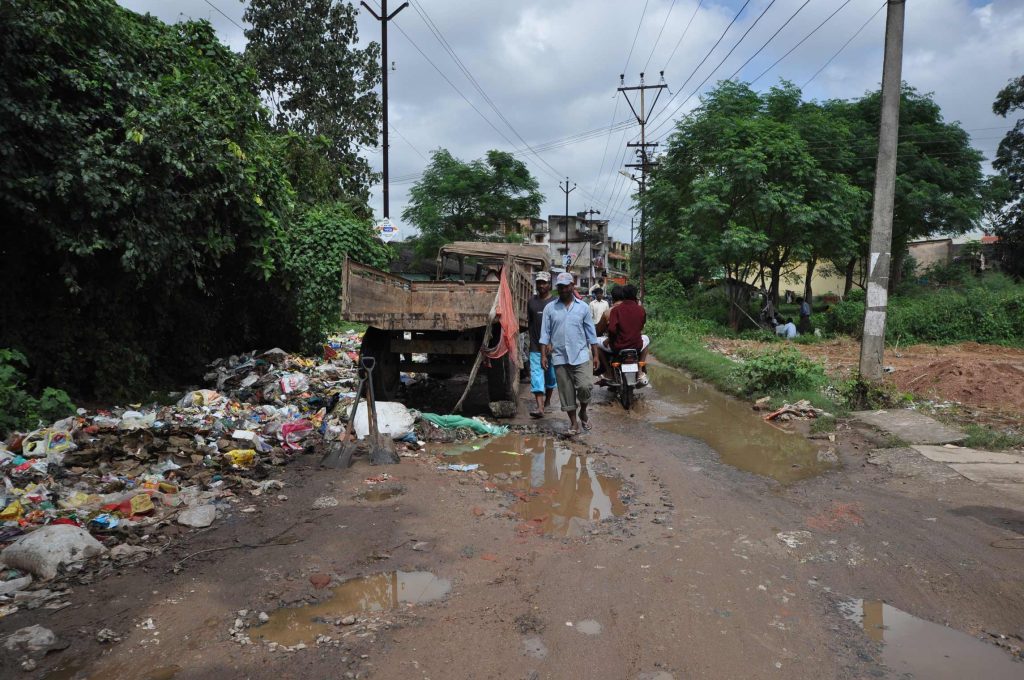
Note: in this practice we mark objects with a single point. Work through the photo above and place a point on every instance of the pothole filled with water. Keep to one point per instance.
(729, 426)
(913, 647)
(558, 490)
(368, 594)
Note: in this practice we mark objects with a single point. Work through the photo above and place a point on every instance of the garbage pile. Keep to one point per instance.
(105, 479)
(801, 409)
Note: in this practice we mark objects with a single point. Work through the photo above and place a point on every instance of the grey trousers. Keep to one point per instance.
(574, 384)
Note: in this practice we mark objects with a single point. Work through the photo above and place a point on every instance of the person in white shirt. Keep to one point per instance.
(787, 329)
(598, 306)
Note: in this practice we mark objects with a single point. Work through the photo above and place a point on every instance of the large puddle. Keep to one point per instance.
(913, 647)
(732, 429)
(558, 489)
(374, 593)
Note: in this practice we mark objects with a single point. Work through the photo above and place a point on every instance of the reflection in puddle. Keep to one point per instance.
(733, 430)
(359, 595)
(922, 649)
(557, 488)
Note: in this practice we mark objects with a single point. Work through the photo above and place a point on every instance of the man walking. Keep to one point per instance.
(805, 315)
(598, 306)
(542, 378)
(569, 342)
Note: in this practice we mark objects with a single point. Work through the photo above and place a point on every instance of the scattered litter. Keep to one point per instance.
(325, 502)
(794, 539)
(463, 467)
(801, 409)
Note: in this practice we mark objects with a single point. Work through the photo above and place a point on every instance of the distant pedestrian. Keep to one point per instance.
(787, 329)
(599, 305)
(569, 342)
(805, 316)
(542, 378)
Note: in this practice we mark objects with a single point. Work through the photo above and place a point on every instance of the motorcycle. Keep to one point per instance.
(626, 371)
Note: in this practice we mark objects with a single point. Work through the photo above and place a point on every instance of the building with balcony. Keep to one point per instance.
(579, 245)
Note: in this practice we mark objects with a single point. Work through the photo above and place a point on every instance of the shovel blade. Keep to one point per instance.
(382, 450)
(338, 455)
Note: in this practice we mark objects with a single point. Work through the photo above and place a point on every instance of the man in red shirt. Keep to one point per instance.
(625, 328)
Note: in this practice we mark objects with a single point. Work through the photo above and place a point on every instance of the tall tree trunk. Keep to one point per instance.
(808, 289)
(736, 294)
(851, 265)
(776, 272)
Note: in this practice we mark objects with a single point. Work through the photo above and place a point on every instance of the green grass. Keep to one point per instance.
(823, 425)
(990, 439)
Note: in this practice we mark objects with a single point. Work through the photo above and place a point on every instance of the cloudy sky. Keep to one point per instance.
(552, 68)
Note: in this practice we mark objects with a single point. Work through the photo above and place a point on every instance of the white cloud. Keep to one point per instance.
(552, 69)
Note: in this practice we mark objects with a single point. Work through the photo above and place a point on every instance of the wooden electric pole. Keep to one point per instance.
(645, 164)
(384, 18)
(872, 344)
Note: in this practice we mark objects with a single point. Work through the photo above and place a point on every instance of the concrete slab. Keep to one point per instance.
(1014, 492)
(960, 454)
(991, 473)
(910, 426)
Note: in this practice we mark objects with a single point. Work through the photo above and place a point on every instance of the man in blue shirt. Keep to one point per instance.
(569, 343)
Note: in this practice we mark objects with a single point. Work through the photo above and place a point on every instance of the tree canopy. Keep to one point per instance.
(754, 185)
(1009, 162)
(147, 200)
(455, 200)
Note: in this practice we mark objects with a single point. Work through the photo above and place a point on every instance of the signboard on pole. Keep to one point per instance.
(386, 231)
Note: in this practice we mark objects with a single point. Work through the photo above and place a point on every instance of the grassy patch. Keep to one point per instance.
(990, 439)
(823, 425)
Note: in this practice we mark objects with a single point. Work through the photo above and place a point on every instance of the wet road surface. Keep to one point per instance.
(687, 539)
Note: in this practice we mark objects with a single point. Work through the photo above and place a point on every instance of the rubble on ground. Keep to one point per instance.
(801, 409)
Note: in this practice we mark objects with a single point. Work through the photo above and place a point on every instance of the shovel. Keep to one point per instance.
(339, 453)
(381, 446)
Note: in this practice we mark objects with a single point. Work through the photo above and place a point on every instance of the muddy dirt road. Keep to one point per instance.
(684, 540)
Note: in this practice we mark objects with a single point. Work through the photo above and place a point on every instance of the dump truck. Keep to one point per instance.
(448, 319)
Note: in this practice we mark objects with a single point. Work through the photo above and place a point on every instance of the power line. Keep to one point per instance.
(635, 35)
(845, 44)
(418, 152)
(713, 48)
(766, 42)
(224, 15)
(658, 39)
(685, 31)
(802, 41)
(712, 72)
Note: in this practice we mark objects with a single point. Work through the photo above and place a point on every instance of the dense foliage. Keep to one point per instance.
(1009, 162)
(754, 186)
(146, 197)
(319, 83)
(20, 410)
(989, 310)
(459, 201)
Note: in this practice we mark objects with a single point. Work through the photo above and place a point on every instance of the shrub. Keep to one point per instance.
(19, 410)
(781, 371)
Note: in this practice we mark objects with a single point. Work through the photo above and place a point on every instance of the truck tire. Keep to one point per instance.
(386, 377)
(503, 381)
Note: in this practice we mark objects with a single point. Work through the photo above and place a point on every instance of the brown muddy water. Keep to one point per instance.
(557, 488)
(368, 594)
(913, 647)
(730, 427)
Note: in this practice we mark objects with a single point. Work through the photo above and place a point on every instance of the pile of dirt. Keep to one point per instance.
(982, 376)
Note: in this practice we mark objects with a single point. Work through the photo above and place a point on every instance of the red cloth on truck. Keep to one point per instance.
(505, 312)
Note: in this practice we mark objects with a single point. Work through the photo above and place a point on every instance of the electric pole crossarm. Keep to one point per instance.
(372, 13)
(400, 8)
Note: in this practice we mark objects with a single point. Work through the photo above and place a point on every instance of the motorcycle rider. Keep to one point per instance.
(625, 329)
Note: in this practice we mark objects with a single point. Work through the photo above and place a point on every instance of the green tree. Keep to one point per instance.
(455, 200)
(316, 246)
(319, 83)
(1009, 161)
(940, 188)
(738, 192)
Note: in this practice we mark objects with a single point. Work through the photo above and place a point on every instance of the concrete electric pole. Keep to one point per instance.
(384, 18)
(872, 344)
(566, 190)
(642, 147)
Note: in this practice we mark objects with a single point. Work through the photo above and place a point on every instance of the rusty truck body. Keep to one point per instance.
(446, 318)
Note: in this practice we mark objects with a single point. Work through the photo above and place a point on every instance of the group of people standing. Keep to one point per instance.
(571, 339)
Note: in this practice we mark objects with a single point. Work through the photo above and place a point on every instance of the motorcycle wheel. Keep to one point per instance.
(626, 394)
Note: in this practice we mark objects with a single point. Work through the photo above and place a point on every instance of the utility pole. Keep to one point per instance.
(590, 241)
(567, 190)
(872, 344)
(642, 147)
(384, 18)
